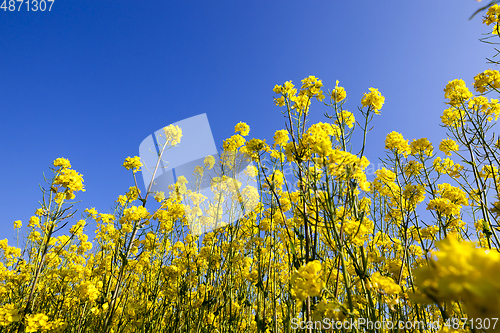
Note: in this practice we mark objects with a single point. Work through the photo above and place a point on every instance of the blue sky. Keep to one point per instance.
(90, 80)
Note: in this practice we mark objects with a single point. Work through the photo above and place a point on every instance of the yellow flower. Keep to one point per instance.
(34, 222)
(70, 179)
(279, 101)
(492, 110)
(385, 176)
(133, 193)
(374, 100)
(489, 171)
(18, 224)
(429, 232)
(421, 146)
(311, 86)
(339, 93)
(287, 89)
(277, 89)
(301, 103)
(242, 128)
(447, 146)
(317, 138)
(457, 92)
(233, 143)
(160, 196)
(451, 200)
(415, 194)
(88, 291)
(256, 145)
(487, 80)
(209, 161)
(280, 138)
(493, 15)
(395, 141)
(173, 135)
(91, 211)
(307, 281)
(447, 166)
(36, 322)
(134, 213)
(77, 229)
(479, 103)
(345, 117)
(133, 163)
(384, 283)
(459, 271)
(9, 314)
(453, 117)
(122, 200)
(62, 163)
(413, 168)
(59, 198)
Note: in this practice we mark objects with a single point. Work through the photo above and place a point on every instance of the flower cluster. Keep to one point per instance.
(395, 141)
(339, 93)
(451, 201)
(173, 135)
(385, 284)
(457, 92)
(493, 17)
(461, 272)
(242, 129)
(487, 80)
(133, 163)
(307, 281)
(374, 100)
(447, 146)
(70, 180)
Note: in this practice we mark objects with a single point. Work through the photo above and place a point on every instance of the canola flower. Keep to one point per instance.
(461, 272)
(395, 141)
(374, 100)
(339, 93)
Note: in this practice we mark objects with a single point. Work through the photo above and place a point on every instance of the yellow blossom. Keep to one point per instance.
(457, 92)
(62, 163)
(209, 162)
(395, 141)
(447, 146)
(133, 163)
(242, 128)
(173, 135)
(307, 281)
(373, 99)
(462, 272)
(280, 138)
(339, 93)
(421, 146)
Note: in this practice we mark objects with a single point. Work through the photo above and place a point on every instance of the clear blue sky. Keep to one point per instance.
(91, 79)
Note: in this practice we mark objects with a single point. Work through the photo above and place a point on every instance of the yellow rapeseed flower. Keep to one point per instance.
(242, 128)
(447, 146)
(395, 141)
(339, 93)
(373, 99)
(133, 163)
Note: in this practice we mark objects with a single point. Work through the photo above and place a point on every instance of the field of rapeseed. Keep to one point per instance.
(320, 249)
